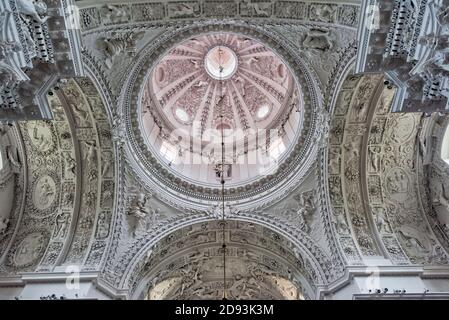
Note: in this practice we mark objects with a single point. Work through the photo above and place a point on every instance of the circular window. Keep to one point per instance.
(221, 62)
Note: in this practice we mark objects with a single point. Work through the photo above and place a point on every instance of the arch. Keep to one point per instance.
(195, 251)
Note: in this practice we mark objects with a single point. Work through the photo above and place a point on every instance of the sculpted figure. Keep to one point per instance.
(67, 199)
(397, 183)
(438, 255)
(306, 200)
(374, 158)
(33, 8)
(107, 165)
(102, 226)
(335, 190)
(381, 223)
(69, 164)
(196, 63)
(139, 211)
(46, 192)
(118, 129)
(351, 151)
(61, 224)
(443, 16)
(9, 73)
(443, 197)
(200, 83)
(435, 41)
(190, 277)
(90, 154)
(334, 160)
(118, 44)
(154, 216)
(182, 9)
(40, 138)
(323, 12)
(412, 240)
(300, 215)
(81, 116)
(260, 9)
(148, 256)
(245, 288)
(359, 111)
(201, 238)
(13, 158)
(240, 84)
(114, 14)
(252, 64)
(324, 123)
(7, 77)
(318, 39)
(340, 223)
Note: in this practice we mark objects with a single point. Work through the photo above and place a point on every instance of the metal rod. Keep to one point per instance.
(222, 176)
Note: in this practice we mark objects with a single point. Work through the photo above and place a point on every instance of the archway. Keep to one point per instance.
(188, 264)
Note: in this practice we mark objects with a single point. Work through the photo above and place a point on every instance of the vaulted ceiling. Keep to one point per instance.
(92, 187)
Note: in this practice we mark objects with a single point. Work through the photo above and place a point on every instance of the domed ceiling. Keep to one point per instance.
(215, 86)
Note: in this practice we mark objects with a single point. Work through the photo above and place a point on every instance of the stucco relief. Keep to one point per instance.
(96, 163)
(434, 192)
(42, 137)
(12, 182)
(30, 249)
(194, 272)
(397, 213)
(344, 14)
(389, 183)
(44, 193)
(323, 47)
(61, 180)
(344, 169)
(43, 216)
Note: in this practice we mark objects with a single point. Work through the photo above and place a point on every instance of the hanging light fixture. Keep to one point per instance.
(222, 180)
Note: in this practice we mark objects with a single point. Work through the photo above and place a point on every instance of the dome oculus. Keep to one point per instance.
(220, 62)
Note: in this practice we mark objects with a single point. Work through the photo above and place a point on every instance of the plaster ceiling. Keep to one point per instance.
(79, 195)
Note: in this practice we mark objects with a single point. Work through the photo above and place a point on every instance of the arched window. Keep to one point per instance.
(445, 146)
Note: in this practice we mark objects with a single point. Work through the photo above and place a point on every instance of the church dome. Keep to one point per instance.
(221, 86)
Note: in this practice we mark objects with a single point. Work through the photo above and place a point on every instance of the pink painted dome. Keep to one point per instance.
(220, 85)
